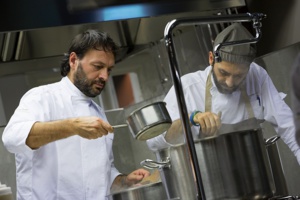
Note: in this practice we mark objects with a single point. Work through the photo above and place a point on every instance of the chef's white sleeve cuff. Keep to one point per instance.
(158, 143)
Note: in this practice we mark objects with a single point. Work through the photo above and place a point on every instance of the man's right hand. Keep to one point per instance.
(209, 122)
(91, 127)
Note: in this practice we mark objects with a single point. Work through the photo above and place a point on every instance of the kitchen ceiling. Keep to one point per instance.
(36, 33)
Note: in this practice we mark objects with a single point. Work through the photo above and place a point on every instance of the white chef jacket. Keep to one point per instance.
(267, 104)
(67, 169)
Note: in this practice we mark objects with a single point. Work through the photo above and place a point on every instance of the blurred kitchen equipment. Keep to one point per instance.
(287, 197)
(175, 171)
(149, 121)
(5, 192)
(145, 192)
(276, 166)
(235, 166)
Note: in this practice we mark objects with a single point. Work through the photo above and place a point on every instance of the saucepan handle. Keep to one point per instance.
(271, 140)
(285, 198)
(151, 164)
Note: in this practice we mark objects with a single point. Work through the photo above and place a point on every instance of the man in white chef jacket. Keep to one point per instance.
(230, 91)
(61, 138)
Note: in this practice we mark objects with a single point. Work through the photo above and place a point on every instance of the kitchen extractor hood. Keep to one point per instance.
(31, 14)
(35, 34)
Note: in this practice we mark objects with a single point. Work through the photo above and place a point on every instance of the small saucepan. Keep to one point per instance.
(149, 121)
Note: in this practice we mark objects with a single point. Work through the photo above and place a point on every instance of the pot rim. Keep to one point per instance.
(224, 134)
(160, 122)
(136, 188)
(150, 104)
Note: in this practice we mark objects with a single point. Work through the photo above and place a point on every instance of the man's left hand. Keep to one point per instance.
(136, 176)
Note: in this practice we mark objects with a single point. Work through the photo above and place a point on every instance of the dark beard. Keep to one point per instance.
(220, 87)
(85, 85)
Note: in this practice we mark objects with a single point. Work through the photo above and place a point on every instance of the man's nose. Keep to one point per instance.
(230, 81)
(103, 74)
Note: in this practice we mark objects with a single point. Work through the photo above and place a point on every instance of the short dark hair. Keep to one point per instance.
(90, 39)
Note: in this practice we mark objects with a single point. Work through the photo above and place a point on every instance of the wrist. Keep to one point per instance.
(73, 125)
(124, 181)
(193, 114)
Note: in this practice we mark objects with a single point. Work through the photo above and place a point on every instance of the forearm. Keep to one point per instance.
(43, 133)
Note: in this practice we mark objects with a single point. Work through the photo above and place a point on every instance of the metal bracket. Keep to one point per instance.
(256, 20)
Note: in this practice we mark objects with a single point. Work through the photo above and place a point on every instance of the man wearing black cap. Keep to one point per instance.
(230, 91)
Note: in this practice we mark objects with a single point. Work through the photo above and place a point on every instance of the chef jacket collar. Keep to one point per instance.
(74, 91)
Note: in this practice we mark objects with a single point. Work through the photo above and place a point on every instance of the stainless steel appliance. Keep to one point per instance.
(175, 171)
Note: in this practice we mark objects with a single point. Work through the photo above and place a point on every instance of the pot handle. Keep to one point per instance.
(151, 164)
(271, 140)
(285, 197)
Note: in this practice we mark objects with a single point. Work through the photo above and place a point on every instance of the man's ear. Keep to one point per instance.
(72, 60)
(210, 57)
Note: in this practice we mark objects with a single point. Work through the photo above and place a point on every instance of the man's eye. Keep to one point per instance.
(239, 76)
(223, 73)
(97, 67)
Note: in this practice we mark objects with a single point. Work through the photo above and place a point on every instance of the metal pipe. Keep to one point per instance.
(175, 73)
(19, 45)
(256, 26)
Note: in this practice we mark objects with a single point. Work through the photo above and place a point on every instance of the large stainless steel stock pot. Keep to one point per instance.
(235, 166)
(149, 121)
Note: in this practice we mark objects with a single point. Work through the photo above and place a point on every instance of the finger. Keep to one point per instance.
(145, 173)
(213, 125)
(100, 131)
(207, 126)
(104, 128)
(219, 119)
(141, 173)
(107, 127)
(202, 126)
(134, 178)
